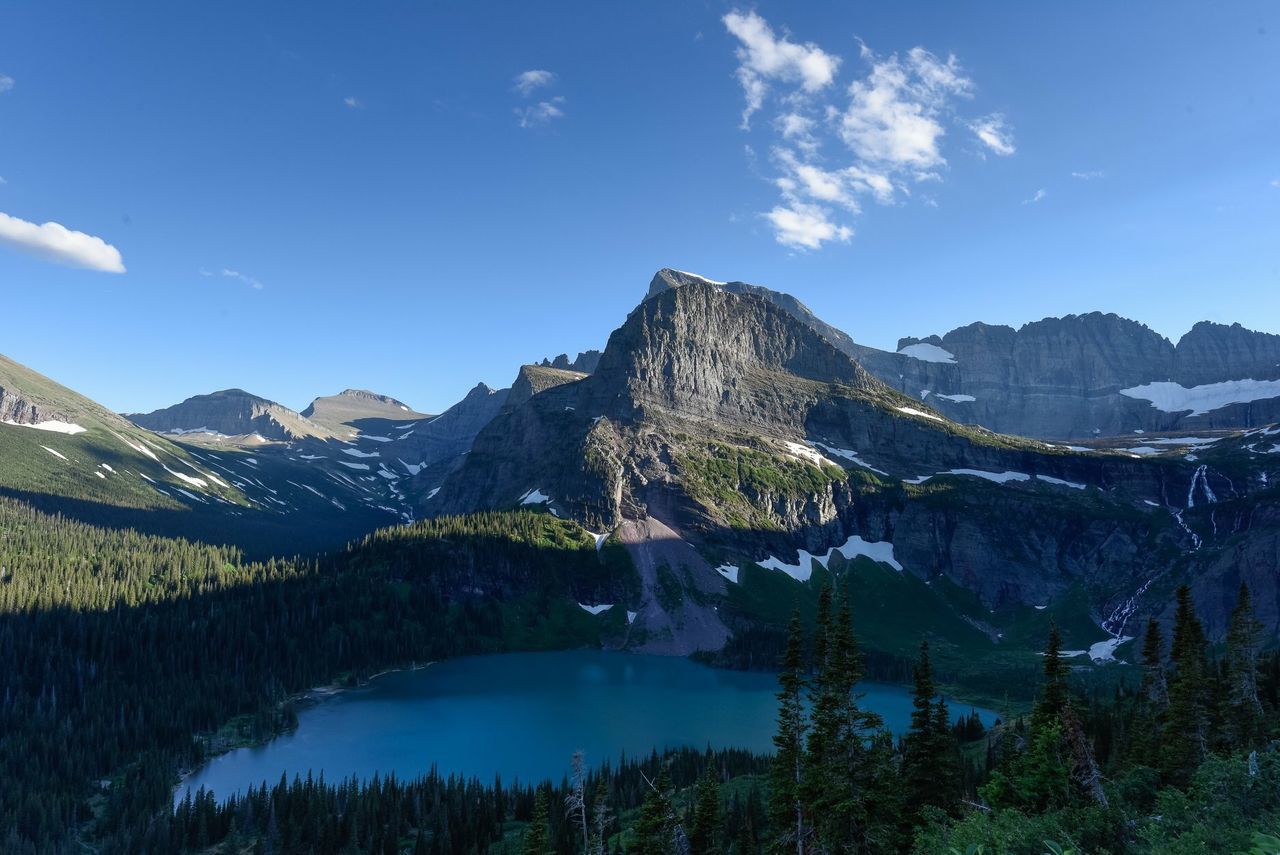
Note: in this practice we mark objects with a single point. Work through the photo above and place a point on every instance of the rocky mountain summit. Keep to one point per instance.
(350, 408)
(232, 413)
(1065, 378)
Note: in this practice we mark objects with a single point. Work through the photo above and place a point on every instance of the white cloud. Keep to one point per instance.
(804, 226)
(236, 274)
(527, 81)
(893, 114)
(541, 112)
(1276, 182)
(1090, 175)
(353, 102)
(55, 242)
(762, 56)
(887, 136)
(6, 83)
(994, 132)
(1036, 197)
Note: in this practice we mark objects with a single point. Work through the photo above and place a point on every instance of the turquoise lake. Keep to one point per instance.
(521, 716)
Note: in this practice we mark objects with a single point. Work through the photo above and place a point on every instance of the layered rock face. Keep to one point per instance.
(233, 412)
(1073, 377)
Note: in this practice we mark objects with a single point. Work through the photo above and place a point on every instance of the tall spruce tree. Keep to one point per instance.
(926, 761)
(1155, 683)
(656, 829)
(1243, 706)
(787, 815)
(1053, 694)
(537, 837)
(1187, 718)
(707, 824)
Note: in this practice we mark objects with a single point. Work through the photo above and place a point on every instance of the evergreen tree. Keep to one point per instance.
(656, 830)
(1186, 720)
(707, 824)
(1053, 695)
(1155, 684)
(537, 837)
(1244, 709)
(786, 774)
(922, 749)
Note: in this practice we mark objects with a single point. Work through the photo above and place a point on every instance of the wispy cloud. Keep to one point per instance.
(55, 242)
(1275, 182)
(535, 78)
(994, 132)
(236, 274)
(6, 83)
(353, 102)
(3, 181)
(1038, 196)
(1089, 175)
(526, 83)
(541, 112)
(885, 136)
(764, 57)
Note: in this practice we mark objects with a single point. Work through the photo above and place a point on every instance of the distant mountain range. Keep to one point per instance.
(734, 442)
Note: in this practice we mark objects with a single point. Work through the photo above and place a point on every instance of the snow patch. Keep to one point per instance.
(997, 477)
(912, 411)
(1061, 482)
(58, 454)
(729, 571)
(53, 426)
(349, 465)
(187, 479)
(595, 610)
(432, 494)
(926, 352)
(355, 452)
(881, 551)
(851, 456)
(534, 497)
(1105, 651)
(958, 399)
(1169, 397)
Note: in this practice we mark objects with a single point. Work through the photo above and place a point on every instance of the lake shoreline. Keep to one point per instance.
(298, 700)
(478, 715)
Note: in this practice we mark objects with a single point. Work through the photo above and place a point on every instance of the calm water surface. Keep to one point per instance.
(521, 716)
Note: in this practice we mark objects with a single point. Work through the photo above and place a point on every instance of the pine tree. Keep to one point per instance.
(1244, 709)
(655, 830)
(786, 773)
(1186, 720)
(1053, 696)
(537, 837)
(707, 824)
(1155, 684)
(925, 762)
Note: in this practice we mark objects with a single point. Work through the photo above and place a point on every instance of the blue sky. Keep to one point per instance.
(381, 195)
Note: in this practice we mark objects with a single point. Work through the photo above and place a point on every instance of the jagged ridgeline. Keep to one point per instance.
(122, 646)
